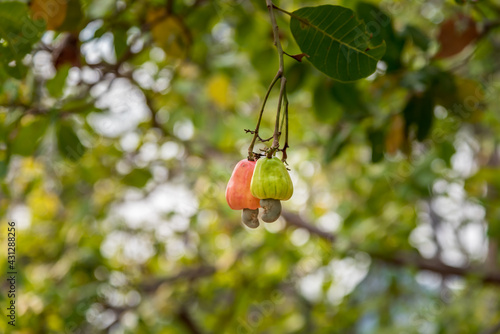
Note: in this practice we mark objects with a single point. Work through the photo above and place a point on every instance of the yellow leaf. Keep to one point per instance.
(218, 89)
(43, 204)
(31, 168)
(55, 323)
(470, 96)
(51, 11)
(169, 33)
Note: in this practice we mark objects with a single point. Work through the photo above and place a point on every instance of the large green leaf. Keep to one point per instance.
(419, 112)
(333, 100)
(74, 16)
(68, 142)
(326, 109)
(120, 42)
(56, 85)
(380, 26)
(419, 37)
(28, 136)
(137, 178)
(376, 137)
(336, 42)
(17, 34)
(339, 138)
(351, 99)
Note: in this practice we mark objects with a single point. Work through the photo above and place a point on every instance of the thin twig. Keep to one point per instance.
(276, 134)
(258, 137)
(281, 71)
(256, 131)
(283, 158)
(282, 10)
(185, 275)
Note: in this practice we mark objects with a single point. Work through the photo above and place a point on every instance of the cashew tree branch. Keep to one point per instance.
(404, 259)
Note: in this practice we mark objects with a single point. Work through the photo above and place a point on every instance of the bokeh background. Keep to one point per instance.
(121, 122)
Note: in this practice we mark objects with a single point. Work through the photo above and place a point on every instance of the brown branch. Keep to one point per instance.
(258, 137)
(416, 261)
(186, 319)
(412, 260)
(295, 220)
(186, 275)
(170, 6)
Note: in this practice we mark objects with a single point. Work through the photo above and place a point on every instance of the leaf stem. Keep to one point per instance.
(282, 10)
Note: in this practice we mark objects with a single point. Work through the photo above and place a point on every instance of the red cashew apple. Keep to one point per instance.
(239, 196)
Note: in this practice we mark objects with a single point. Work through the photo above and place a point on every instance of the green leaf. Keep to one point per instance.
(325, 107)
(68, 142)
(446, 151)
(28, 136)
(56, 85)
(296, 77)
(98, 9)
(444, 88)
(337, 141)
(419, 38)
(379, 25)
(336, 42)
(4, 166)
(120, 42)
(348, 95)
(80, 106)
(17, 34)
(74, 16)
(137, 178)
(333, 100)
(376, 138)
(4, 163)
(419, 111)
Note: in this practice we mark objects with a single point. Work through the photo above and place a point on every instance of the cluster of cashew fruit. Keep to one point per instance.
(254, 184)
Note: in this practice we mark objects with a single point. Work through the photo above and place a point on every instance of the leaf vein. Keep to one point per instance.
(300, 19)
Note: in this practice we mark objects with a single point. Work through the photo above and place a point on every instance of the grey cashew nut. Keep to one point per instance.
(272, 209)
(250, 218)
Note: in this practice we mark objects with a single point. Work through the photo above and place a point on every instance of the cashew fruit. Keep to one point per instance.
(272, 209)
(250, 218)
(238, 194)
(271, 180)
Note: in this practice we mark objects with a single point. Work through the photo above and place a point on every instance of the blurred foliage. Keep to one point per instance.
(121, 122)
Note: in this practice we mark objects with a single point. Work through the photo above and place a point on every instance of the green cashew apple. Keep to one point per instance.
(271, 180)
(239, 196)
(271, 183)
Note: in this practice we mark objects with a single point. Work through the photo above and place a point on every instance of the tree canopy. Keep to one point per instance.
(121, 122)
